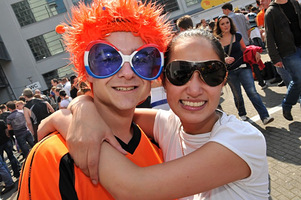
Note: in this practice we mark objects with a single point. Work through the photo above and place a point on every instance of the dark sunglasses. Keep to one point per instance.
(103, 60)
(212, 72)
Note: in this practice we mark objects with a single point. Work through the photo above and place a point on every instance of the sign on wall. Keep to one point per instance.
(33, 86)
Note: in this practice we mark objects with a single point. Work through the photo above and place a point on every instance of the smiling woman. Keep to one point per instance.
(240, 73)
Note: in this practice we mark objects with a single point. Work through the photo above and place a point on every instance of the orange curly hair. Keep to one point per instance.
(102, 17)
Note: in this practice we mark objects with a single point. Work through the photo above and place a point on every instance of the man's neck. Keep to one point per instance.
(28, 99)
(120, 122)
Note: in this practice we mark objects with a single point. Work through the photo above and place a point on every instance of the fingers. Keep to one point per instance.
(279, 64)
(93, 161)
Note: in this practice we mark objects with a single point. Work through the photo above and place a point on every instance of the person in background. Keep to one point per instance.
(283, 37)
(282, 77)
(255, 35)
(6, 177)
(74, 86)
(42, 96)
(253, 58)
(55, 82)
(16, 121)
(211, 26)
(66, 85)
(22, 98)
(34, 111)
(65, 99)
(185, 23)
(20, 105)
(6, 145)
(4, 112)
(239, 73)
(204, 24)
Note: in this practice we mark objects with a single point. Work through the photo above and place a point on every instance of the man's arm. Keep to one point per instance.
(50, 108)
(9, 127)
(27, 114)
(270, 39)
(7, 133)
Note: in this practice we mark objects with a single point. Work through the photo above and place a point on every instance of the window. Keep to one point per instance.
(192, 2)
(169, 5)
(44, 46)
(75, 2)
(31, 11)
(3, 52)
(2, 78)
(65, 71)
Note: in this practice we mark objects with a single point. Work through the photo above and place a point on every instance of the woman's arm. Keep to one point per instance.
(211, 166)
(58, 120)
(85, 134)
(242, 45)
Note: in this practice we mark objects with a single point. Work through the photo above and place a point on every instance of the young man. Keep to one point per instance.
(185, 23)
(6, 177)
(16, 121)
(35, 110)
(283, 36)
(7, 146)
(137, 34)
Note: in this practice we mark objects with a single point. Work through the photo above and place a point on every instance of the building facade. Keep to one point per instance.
(32, 53)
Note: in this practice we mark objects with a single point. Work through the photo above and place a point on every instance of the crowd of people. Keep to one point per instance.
(190, 131)
(19, 121)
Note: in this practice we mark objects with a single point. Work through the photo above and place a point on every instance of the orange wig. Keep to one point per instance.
(102, 17)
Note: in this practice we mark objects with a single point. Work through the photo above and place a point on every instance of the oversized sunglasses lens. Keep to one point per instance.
(212, 72)
(104, 60)
(147, 62)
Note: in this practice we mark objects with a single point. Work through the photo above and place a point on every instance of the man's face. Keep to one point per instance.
(37, 92)
(124, 90)
(75, 82)
(265, 3)
(53, 83)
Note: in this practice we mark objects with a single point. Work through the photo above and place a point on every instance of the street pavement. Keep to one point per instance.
(283, 140)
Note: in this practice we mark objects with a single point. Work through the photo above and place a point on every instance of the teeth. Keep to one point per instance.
(124, 88)
(193, 104)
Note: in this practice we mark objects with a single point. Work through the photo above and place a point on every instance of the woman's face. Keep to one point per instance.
(224, 25)
(195, 102)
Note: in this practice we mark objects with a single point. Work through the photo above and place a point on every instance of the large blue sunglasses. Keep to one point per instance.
(103, 60)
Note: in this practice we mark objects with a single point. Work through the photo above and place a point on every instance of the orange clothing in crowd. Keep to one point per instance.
(260, 18)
